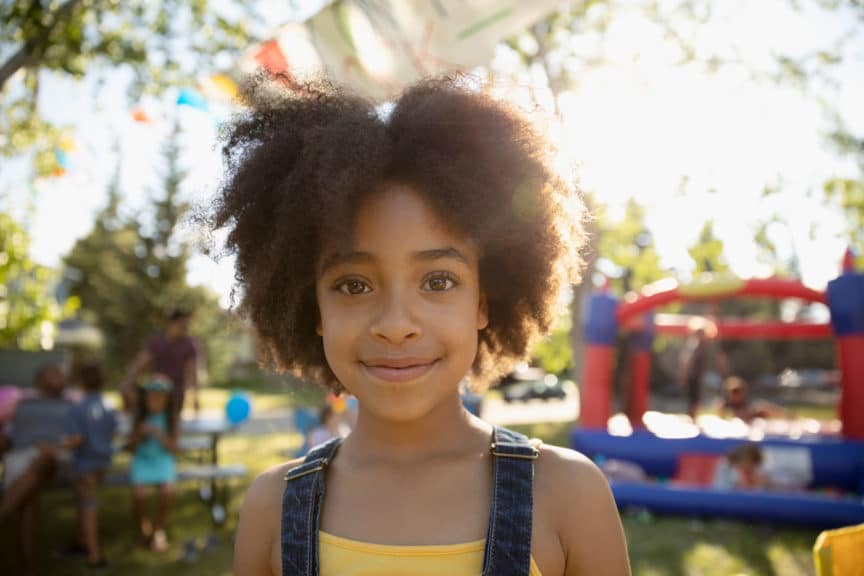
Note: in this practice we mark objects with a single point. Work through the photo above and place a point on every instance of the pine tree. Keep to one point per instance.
(130, 272)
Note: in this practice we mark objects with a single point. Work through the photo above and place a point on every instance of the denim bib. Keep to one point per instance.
(508, 540)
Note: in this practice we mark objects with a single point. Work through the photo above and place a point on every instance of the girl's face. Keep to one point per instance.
(400, 313)
(155, 402)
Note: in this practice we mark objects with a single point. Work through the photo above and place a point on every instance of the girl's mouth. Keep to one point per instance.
(398, 369)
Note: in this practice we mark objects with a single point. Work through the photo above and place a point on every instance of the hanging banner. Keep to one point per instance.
(379, 46)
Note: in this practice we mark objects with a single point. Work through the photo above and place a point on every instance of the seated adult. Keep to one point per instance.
(33, 458)
(737, 403)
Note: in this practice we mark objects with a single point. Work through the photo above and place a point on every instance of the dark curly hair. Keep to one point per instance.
(301, 159)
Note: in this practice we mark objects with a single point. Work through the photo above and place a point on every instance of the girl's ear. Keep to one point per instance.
(482, 312)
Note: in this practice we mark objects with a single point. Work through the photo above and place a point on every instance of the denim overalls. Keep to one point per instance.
(508, 541)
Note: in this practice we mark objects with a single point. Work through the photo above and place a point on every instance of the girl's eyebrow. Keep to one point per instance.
(440, 253)
(339, 258)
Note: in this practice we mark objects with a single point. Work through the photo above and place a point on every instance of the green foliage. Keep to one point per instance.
(627, 244)
(27, 299)
(707, 252)
(128, 275)
(554, 353)
(848, 194)
(767, 252)
(75, 36)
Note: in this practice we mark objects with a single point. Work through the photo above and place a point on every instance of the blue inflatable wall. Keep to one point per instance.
(836, 462)
(801, 509)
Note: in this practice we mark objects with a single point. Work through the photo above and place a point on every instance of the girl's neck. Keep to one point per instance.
(446, 430)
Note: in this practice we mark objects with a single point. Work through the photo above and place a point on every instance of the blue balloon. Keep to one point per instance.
(238, 408)
(192, 98)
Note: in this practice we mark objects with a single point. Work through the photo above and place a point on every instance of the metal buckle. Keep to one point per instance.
(494, 450)
(319, 468)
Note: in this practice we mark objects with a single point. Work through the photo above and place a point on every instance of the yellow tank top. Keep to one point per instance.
(342, 557)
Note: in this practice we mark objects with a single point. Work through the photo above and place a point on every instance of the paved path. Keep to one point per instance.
(496, 411)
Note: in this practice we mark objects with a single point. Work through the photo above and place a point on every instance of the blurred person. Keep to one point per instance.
(34, 457)
(693, 365)
(737, 403)
(741, 469)
(173, 353)
(329, 426)
(90, 428)
(153, 443)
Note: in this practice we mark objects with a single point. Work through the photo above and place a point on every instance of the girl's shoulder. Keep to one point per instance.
(269, 487)
(572, 499)
(561, 471)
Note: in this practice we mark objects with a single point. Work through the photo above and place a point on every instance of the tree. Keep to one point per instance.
(767, 251)
(554, 353)
(707, 252)
(848, 193)
(128, 273)
(27, 301)
(163, 43)
(627, 246)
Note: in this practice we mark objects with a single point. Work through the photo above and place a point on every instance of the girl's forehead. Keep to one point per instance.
(398, 219)
(401, 210)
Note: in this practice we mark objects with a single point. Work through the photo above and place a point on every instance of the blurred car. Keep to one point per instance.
(546, 387)
(809, 378)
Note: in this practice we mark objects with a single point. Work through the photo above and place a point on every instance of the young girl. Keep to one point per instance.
(154, 443)
(389, 254)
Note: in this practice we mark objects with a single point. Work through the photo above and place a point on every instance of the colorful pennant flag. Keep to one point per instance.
(192, 98)
(270, 57)
(140, 115)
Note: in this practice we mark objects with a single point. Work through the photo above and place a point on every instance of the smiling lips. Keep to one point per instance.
(399, 369)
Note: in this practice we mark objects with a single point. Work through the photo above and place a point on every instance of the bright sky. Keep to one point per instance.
(635, 127)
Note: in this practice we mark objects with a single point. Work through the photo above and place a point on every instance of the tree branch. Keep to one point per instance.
(27, 55)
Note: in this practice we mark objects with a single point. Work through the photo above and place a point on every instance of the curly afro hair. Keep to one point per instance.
(300, 161)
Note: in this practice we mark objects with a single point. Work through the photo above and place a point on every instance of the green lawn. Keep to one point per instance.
(658, 546)
(266, 394)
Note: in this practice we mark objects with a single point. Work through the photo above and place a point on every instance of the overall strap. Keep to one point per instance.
(301, 511)
(508, 542)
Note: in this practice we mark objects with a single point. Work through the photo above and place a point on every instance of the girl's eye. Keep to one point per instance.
(439, 283)
(353, 287)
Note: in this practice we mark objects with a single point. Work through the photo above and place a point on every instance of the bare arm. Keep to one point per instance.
(127, 387)
(589, 527)
(168, 441)
(70, 442)
(259, 525)
(136, 436)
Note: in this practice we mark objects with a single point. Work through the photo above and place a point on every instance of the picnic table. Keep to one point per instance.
(199, 437)
(202, 435)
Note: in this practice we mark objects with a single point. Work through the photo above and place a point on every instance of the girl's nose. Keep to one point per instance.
(396, 323)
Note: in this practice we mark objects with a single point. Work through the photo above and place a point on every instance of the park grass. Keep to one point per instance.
(659, 546)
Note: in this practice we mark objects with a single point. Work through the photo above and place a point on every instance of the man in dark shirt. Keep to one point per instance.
(692, 369)
(173, 353)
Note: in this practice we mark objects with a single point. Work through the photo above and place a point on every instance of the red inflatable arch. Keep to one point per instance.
(630, 315)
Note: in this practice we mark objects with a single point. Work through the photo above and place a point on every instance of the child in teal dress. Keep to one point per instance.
(154, 444)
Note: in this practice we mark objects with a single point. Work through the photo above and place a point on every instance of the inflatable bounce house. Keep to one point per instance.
(675, 472)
